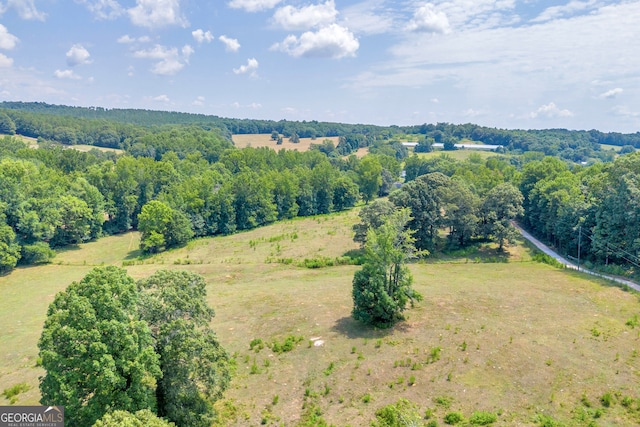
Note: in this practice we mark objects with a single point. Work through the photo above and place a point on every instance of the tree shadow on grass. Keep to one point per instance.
(135, 254)
(353, 329)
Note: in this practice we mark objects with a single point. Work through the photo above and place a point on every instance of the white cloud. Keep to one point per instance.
(103, 9)
(162, 98)
(127, 39)
(611, 93)
(426, 18)
(555, 12)
(26, 9)
(187, 51)
(66, 74)
(156, 13)
(78, 55)
(5, 61)
(333, 41)
(470, 112)
(7, 40)
(251, 68)
(253, 5)
(202, 36)
(368, 17)
(306, 17)
(464, 15)
(199, 101)
(170, 61)
(231, 45)
(550, 111)
(624, 111)
(512, 70)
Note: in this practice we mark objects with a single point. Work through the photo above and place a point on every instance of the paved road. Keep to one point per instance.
(569, 264)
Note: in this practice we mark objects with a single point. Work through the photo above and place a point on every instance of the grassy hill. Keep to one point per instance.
(517, 338)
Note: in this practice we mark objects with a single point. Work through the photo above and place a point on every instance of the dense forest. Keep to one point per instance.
(180, 177)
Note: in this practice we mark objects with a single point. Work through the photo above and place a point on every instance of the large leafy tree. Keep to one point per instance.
(382, 288)
(371, 216)
(502, 205)
(369, 177)
(425, 197)
(162, 227)
(194, 365)
(97, 353)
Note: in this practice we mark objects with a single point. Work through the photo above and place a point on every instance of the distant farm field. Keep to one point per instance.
(511, 337)
(459, 154)
(264, 140)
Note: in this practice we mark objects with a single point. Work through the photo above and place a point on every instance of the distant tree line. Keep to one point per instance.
(117, 128)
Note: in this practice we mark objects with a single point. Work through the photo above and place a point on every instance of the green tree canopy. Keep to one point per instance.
(142, 418)
(502, 205)
(97, 354)
(382, 288)
(195, 367)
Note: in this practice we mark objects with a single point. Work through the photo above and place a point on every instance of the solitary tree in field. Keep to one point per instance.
(382, 288)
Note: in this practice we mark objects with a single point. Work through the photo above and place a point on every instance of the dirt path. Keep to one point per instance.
(569, 264)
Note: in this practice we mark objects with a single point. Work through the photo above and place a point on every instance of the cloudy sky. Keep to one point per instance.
(504, 63)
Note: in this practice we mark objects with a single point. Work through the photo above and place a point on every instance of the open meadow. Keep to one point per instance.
(501, 334)
(264, 140)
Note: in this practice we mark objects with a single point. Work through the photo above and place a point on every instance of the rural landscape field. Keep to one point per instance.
(495, 333)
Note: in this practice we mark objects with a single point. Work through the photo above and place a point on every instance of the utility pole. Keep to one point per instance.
(579, 244)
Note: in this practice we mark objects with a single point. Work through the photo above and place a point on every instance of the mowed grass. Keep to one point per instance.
(516, 338)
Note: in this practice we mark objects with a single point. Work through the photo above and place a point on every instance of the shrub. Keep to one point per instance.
(256, 344)
(453, 418)
(288, 344)
(444, 401)
(11, 393)
(401, 413)
(606, 400)
(37, 253)
(481, 418)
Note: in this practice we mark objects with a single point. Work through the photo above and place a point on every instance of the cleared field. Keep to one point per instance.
(264, 140)
(84, 147)
(33, 143)
(607, 147)
(458, 154)
(514, 338)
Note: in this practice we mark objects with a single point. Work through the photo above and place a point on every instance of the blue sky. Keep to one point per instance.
(504, 63)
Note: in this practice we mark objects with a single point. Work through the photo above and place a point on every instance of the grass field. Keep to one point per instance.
(33, 143)
(264, 140)
(459, 155)
(513, 337)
